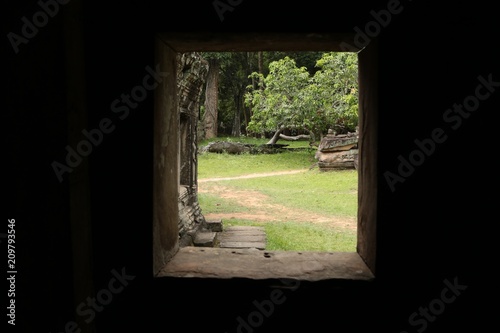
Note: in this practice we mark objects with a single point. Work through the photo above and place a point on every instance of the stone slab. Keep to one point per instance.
(226, 263)
(241, 233)
(205, 238)
(215, 226)
(240, 237)
(242, 245)
(242, 227)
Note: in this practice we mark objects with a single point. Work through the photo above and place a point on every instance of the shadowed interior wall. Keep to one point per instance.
(367, 169)
(81, 231)
(433, 228)
(166, 157)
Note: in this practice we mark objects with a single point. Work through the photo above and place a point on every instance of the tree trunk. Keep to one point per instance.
(211, 99)
(261, 64)
(246, 113)
(295, 138)
(236, 132)
(275, 137)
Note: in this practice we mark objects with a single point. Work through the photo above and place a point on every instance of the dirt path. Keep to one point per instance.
(259, 207)
(253, 175)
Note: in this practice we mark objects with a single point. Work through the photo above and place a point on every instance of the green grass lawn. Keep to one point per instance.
(333, 193)
(293, 236)
(330, 193)
(228, 165)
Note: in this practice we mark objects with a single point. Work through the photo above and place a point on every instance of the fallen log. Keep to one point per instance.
(295, 138)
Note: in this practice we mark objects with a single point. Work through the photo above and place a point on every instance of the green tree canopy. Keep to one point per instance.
(335, 88)
(289, 97)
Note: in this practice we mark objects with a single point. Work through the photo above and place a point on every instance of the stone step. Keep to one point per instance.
(215, 225)
(242, 237)
(205, 238)
(243, 245)
(242, 227)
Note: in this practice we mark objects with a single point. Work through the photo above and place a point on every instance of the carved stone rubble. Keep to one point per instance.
(338, 151)
(192, 70)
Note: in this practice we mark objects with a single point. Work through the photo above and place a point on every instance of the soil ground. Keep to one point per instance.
(260, 208)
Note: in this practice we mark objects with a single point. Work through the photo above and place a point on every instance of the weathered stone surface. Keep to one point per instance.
(337, 160)
(186, 240)
(215, 225)
(244, 228)
(243, 245)
(336, 143)
(192, 71)
(226, 238)
(191, 75)
(205, 238)
(227, 263)
(242, 237)
(337, 152)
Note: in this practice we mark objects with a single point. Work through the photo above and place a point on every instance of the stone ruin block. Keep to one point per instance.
(214, 225)
(338, 151)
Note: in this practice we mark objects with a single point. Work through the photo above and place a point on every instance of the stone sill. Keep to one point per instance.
(225, 263)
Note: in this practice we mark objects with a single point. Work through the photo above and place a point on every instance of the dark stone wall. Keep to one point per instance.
(35, 122)
(191, 76)
(433, 227)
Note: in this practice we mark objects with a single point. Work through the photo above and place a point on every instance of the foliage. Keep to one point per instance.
(289, 97)
(221, 58)
(302, 59)
(256, 141)
(335, 87)
(277, 101)
(234, 79)
(235, 70)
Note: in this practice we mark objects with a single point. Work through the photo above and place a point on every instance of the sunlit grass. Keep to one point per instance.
(230, 165)
(332, 193)
(295, 236)
(329, 193)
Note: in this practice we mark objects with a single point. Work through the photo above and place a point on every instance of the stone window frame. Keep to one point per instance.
(344, 266)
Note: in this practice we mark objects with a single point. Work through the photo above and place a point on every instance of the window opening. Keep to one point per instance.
(176, 177)
(284, 126)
